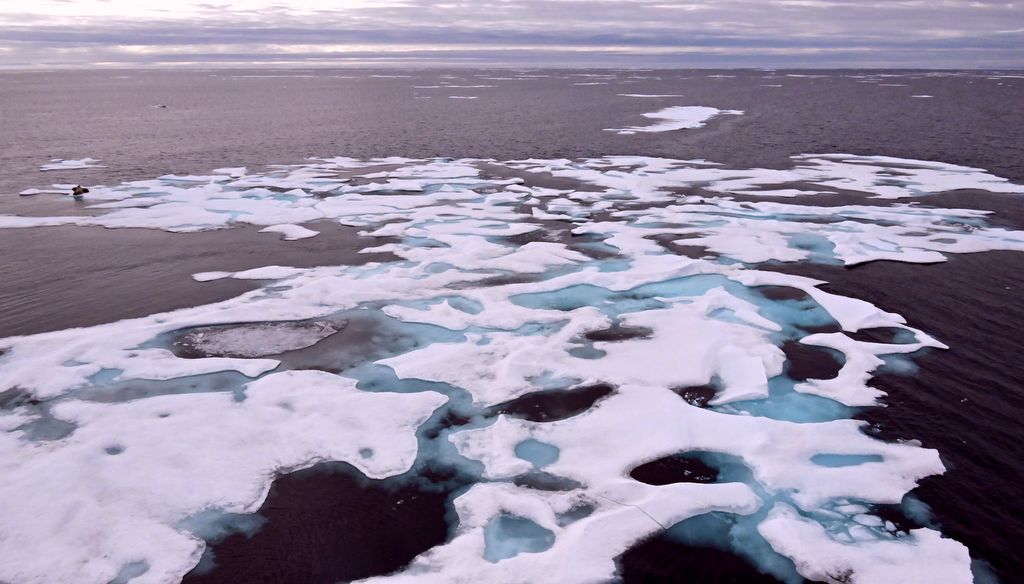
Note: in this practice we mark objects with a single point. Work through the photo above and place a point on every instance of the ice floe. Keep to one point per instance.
(678, 117)
(505, 292)
(61, 164)
(290, 232)
(648, 95)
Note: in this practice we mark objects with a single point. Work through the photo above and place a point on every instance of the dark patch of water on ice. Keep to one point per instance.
(618, 332)
(544, 481)
(328, 524)
(678, 468)
(805, 362)
(553, 405)
(663, 559)
(697, 395)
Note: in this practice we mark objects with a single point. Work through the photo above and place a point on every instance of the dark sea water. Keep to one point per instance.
(967, 402)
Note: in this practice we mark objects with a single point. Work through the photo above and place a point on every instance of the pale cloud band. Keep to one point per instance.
(727, 33)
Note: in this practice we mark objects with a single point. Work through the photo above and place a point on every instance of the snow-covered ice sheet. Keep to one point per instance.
(116, 447)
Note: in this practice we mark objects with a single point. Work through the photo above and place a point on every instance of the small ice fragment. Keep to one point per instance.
(290, 232)
(61, 164)
(677, 118)
(210, 276)
(233, 172)
(648, 95)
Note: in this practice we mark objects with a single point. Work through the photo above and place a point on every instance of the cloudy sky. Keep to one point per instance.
(620, 33)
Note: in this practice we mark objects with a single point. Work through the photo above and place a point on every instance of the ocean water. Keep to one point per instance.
(333, 523)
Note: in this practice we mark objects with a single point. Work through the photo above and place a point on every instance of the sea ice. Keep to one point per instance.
(677, 118)
(114, 492)
(61, 164)
(290, 232)
(114, 439)
(648, 95)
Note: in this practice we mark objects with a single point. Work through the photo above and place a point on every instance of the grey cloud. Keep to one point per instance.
(909, 33)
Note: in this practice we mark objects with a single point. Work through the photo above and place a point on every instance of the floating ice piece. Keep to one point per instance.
(677, 118)
(233, 172)
(784, 193)
(290, 232)
(61, 164)
(648, 95)
(267, 273)
(922, 96)
(51, 191)
(463, 97)
(211, 276)
(861, 359)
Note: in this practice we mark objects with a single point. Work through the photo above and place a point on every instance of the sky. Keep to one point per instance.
(516, 33)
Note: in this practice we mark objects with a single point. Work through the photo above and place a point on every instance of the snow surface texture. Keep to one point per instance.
(678, 117)
(113, 444)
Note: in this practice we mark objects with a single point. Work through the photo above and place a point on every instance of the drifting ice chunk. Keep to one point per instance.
(61, 164)
(677, 118)
(290, 232)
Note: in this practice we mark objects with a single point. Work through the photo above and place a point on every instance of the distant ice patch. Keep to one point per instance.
(648, 95)
(677, 118)
(79, 164)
